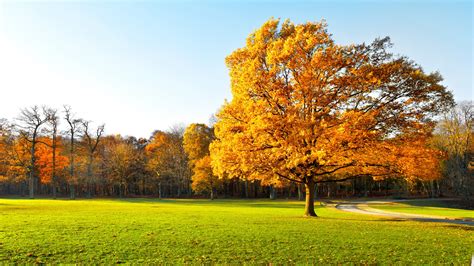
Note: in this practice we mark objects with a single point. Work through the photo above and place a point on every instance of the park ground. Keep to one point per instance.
(226, 231)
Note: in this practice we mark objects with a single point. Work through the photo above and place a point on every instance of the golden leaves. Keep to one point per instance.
(304, 106)
(196, 141)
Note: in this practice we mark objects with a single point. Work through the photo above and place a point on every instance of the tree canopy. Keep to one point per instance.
(309, 110)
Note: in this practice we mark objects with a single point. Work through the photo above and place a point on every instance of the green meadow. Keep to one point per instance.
(220, 231)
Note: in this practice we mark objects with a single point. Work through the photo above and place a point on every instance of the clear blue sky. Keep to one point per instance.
(148, 65)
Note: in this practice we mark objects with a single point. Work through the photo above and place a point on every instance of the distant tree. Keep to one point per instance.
(310, 111)
(73, 130)
(167, 160)
(179, 161)
(203, 178)
(196, 141)
(13, 160)
(91, 142)
(17, 160)
(50, 164)
(156, 150)
(53, 122)
(455, 135)
(30, 122)
(4, 147)
(119, 160)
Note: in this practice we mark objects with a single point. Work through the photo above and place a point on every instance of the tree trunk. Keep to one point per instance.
(72, 191)
(246, 187)
(432, 188)
(255, 189)
(159, 190)
(71, 168)
(31, 181)
(89, 190)
(272, 193)
(54, 189)
(438, 190)
(300, 192)
(31, 185)
(309, 206)
(54, 181)
(212, 193)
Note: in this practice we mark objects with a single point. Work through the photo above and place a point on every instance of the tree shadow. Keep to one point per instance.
(254, 203)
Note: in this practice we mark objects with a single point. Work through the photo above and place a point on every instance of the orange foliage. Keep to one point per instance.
(308, 110)
(196, 141)
(45, 160)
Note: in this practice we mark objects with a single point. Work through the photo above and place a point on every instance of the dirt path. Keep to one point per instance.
(362, 207)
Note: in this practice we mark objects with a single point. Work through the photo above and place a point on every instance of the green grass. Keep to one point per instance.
(224, 231)
(427, 207)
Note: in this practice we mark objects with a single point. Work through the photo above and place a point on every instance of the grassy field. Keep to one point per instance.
(223, 231)
(427, 207)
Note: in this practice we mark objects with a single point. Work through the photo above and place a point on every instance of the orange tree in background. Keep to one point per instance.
(196, 141)
(45, 160)
(309, 110)
(160, 155)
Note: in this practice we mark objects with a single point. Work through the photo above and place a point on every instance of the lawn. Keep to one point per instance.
(427, 207)
(221, 231)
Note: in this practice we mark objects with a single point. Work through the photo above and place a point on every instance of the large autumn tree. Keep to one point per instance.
(309, 110)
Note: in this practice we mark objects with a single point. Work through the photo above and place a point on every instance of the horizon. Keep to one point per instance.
(141, 67)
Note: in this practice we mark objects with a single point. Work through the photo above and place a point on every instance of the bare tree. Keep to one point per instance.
(179, 162)
(53, 122)
(30, 121)
(455, 134)
(74, 129)
(91, 141)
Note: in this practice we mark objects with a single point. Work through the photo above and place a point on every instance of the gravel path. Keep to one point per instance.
(362, 207)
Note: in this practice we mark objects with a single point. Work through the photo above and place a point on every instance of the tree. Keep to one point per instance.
(50, 162)
(119, 158)
(74, 128)
(53, 121)
(91, 141)
(167, 159)
(196, 141)
(179, 160)
(454, 135)
(30, 121)
(14, 153)
(203, 178)
(310, 111)
(157, 153)
(17, 159)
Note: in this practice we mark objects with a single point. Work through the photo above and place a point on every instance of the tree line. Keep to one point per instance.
(51, 153)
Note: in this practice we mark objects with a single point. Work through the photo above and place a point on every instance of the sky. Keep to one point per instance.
(139, 66)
